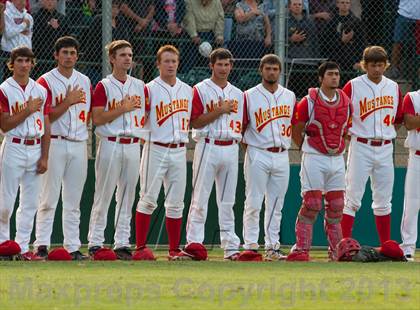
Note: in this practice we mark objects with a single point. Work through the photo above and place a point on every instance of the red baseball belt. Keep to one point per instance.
(170, 145)
(220, 142)
(373, 142)
(123, 140)
(27, 141)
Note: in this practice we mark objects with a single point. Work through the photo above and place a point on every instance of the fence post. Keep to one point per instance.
(106, 34)
(280, 43)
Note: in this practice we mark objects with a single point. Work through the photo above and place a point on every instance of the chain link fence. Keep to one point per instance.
(302, 32)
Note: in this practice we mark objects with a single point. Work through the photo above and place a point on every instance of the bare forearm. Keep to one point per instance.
(103, 117)
(297, 136)
(58, 111)
(125, 9)
(8, 122)
(205, 119)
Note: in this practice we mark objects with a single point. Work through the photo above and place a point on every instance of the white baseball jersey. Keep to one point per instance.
(228, 126)
(73, 123)
(109, 93)
(412, 106)
(376, 107)
(14, 25)
(169, 111)
(14, 98)
(269, 116)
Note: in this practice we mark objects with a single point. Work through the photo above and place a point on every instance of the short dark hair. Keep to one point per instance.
(219, 54)
(66, 41)
(270, 59)
(327, 65)
(20, 51)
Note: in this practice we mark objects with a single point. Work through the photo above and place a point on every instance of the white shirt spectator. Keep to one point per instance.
(15, 25)
(409, 9)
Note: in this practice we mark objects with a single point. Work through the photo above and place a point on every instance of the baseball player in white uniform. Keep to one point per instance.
(164, 152)
(118, 110)
(377, 106)
(411, 110)
(70, 110)
(268, 113)
(217, 116)
(24, 151)
(323, 116)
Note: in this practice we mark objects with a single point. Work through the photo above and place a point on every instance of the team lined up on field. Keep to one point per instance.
(45, 149)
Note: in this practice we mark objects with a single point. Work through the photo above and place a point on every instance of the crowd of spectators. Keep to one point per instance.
(315, 29)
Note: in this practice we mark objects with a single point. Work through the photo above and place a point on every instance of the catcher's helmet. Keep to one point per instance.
(346, 248)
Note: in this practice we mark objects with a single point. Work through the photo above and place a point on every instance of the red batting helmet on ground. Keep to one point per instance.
(104, 254)
(9, 248)
(196, 250)
(391, 249)
(59, 254)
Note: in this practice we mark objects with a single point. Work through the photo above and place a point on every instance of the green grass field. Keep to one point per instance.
(214, 284)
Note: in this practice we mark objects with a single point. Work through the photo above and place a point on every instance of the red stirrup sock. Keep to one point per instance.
(142, 229)
(383, 225)
(347, 225)
(173, 228)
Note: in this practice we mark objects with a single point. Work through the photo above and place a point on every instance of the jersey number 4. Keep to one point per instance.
(388, 120)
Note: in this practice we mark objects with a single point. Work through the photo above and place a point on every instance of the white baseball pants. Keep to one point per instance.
(67, 166)
(266, 174)
(18, 169)
(411, 205)
(319, 172)
(214, 164)
(116, 165)
(366, 161)
(162, 164)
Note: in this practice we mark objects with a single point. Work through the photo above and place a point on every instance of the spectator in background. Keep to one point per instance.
(49, 25)
(405, 24)
(228, 9)
(345, 37)
(18, 26)
(33, 6)
(139, 13)
(270, 11)
(203, 21)
(253, 30)
(302, 34)
(168, 26)
(169, 16)
(321, 11)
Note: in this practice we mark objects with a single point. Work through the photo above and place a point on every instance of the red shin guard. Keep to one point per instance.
(303, 236)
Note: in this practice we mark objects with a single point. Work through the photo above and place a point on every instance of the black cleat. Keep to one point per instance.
(6, 258)
(123, 253)
(42, 251)
(77, 255)
(92, 250)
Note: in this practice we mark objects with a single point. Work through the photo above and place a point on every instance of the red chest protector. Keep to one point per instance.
(328, 125)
